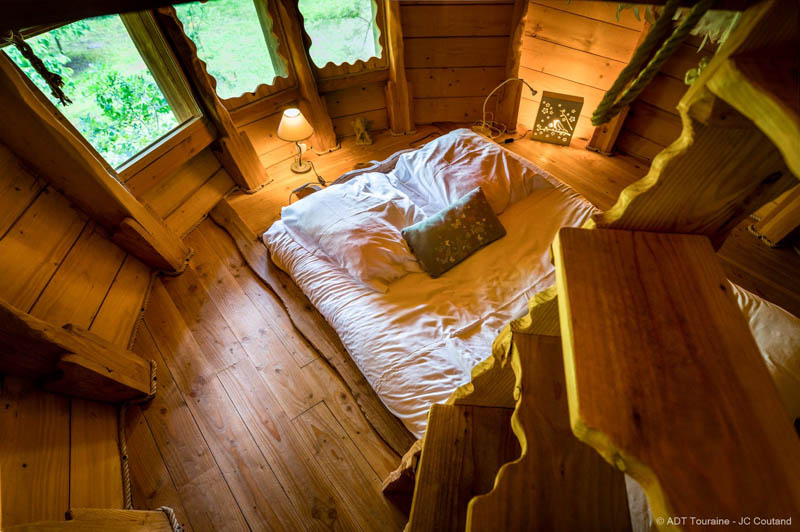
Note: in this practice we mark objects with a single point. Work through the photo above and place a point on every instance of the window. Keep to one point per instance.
(116, 103)
(236, 41)
(341, 32)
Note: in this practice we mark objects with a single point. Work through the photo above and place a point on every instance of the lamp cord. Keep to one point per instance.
(492, 125)
(320, 181)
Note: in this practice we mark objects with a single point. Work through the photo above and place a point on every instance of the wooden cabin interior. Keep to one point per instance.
(296, 321)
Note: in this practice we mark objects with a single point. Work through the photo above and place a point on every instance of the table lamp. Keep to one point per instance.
(293, 128)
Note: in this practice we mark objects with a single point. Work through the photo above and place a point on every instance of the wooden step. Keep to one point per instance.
(463, 449)
(97, 519)
(559, 482)
(665, 380)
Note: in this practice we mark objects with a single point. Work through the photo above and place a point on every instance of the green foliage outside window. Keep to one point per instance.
(237, 46)
(343, 31)
(117, 105)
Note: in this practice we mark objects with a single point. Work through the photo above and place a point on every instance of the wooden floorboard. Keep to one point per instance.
(250, 428)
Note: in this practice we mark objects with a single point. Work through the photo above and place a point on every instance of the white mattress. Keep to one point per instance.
(419, 341)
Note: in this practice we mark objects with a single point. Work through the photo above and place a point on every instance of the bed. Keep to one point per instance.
(417, 338)
(418, 341)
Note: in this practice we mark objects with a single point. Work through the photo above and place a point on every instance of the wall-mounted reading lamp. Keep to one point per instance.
(490, 128)
(293, 128)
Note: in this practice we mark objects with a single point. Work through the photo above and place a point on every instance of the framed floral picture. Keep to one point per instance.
(557, 117)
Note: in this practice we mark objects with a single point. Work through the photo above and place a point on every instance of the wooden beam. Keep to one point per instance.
(508, 104)
(236, 152)
(161, 63)
(37, 132)
(781, 221)
(18, 14)
(70, 360)
(399, 101)
(310, 102)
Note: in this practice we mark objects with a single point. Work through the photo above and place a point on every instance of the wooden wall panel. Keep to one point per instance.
(653, 122)
(477, 20)
(367, 101)
(454, 82)
(567, 28)
(263, 133)
(18, 188)
(466, 109)
(56, 264)
(355, 100)
(33, 248)
(427, 52)
(34, 453)
(455, 54)
(576, 48)
(176, 189)
(194, 210)
(76, 291)
(376, 121)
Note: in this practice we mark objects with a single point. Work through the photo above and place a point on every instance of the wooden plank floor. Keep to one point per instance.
(250, 428)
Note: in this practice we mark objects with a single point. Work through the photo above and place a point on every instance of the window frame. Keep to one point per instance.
(155, 52)
(359, 66)
(264, 8)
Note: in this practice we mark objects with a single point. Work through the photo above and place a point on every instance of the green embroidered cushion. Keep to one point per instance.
(443, 240)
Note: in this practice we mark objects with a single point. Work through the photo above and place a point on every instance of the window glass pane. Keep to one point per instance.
(116, 104)
(341, 32)
(230, 39)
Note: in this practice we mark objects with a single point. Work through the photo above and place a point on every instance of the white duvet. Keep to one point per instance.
(418, 342)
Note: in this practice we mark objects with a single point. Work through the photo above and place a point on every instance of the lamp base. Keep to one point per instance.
(300, 167)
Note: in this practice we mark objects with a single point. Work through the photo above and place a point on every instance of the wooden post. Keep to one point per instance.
(161, 62)
(605, 136)
(310, 102)
(508, 104)
(399, 101)
(85, 365)
(237, 154)
(37, 132)
(781, 221)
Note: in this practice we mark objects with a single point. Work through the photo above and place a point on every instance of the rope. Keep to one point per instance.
(613, 102)
(52, 79)
(127, 493)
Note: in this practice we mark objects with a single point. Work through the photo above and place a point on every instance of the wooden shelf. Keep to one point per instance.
(664, 378)
(463, 449)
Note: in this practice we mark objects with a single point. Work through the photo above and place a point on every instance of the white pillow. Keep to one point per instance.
(370, 247)
(357, 225)
(444, 170)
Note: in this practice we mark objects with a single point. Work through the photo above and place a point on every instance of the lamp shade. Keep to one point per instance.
(294, 126)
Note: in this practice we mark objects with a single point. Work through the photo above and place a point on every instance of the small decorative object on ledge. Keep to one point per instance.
(361, 129)
(557, 117)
